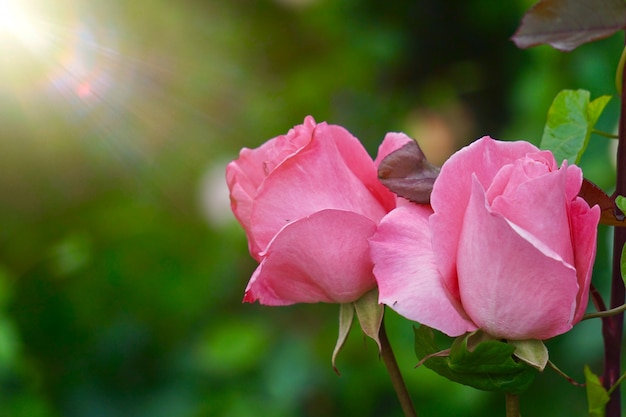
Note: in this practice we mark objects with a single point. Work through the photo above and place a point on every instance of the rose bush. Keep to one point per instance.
(308, 202)
(507, 247)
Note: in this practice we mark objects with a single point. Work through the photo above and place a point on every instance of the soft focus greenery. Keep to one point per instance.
(121, 268)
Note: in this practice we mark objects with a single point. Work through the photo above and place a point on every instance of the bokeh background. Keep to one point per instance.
(121, 268)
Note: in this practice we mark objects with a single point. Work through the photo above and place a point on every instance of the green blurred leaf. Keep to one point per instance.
(477, 361)
(6, 289)
(71, 254)
(597, 397)
(571, 119)
(9, 343)
(232, 347)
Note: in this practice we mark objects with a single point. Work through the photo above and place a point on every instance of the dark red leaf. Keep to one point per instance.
(609, 213)
(407, 173)
(566, 24)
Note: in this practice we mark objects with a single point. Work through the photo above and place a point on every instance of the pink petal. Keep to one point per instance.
(511, 285)
(408, 279)
(275, 151)
(540, 207)
(584, 233)
(483, 158)
(574, 180)
(245, 175)
(321, 258)
(332, 172)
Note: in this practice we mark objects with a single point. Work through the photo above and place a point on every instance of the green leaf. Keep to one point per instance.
(571, 119)
(477, 361)
(597, 397)
(620, 202)
(346, 316)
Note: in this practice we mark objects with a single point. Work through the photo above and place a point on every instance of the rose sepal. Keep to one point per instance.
(370, 315)
(477, 360)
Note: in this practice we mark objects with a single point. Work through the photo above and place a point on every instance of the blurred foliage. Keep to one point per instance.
(121, 269)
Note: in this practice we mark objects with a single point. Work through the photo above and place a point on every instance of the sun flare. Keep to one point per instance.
(18, 20)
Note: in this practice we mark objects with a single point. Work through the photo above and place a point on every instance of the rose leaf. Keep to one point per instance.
(476, 360)
(566, 24)
(609, 212)
(407, 173)
(571, 119)
(597, 397)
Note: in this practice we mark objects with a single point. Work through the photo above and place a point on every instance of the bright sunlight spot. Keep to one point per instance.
(18, 20)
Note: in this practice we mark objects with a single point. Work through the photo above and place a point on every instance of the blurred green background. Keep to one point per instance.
(121, 268)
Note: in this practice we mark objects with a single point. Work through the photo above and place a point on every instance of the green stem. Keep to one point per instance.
(605, 313)
(616, 385)
(605, 134)
(512, 405)
(564, 375)
(394, 373)
(620, 72)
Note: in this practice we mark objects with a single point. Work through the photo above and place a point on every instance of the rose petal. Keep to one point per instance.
(483, 158)
(584, 222)
(539, 206)
(245, 175)
(510, 286)
(408, 279)
(332, 172)
(574, 180)
(321, 258)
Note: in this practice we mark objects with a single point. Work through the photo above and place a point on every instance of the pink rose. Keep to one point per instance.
(308, 202)
(507, 247)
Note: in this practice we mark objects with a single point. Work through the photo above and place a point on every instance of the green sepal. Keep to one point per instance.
(370, 314)
(476, 360)
(531, 351)
(346, 317)
(571, 119)
(597, 396)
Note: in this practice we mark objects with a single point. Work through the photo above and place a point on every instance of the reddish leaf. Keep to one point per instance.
(566, 24)
(593, 195)
(407, 173)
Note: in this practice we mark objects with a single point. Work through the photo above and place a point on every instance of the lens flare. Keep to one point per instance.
(19, 21)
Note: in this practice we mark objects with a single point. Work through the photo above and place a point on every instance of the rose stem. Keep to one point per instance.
(597, 299)
(394, 373)
(612, 326)
(512, 405)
